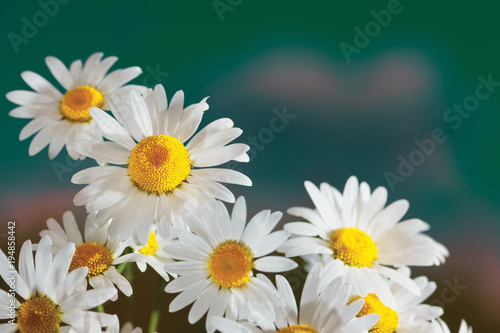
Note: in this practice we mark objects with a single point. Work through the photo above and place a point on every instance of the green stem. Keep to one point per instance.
(121, 267)
(100, 308)
(154, 320)
(129, 275)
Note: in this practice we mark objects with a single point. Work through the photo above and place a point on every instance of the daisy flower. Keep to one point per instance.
(217, 263)
(322, 310)
(356, 230)
(61, 118)
(50, 300)
(97, 252)
(406, 314)
(154, 253)
(164, 177)
(441, 327)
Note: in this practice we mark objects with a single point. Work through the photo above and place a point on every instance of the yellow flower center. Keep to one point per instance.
(93, 255)
(388, 321)
(151, 246)
(38, 315)
(76, 102)
(353, 246)
(230, 264)
(297, 329)
(159, 163)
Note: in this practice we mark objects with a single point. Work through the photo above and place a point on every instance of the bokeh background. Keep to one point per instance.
(359, 117)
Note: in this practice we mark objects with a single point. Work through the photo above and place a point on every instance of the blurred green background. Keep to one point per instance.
(351, 118)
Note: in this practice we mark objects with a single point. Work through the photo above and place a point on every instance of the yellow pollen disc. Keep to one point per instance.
(151, 246)
(76, 102)
(388, 321)
(159, 163)
(297, 329)
(93, 255)
(353, 246)
(230, 264)
(38, 315)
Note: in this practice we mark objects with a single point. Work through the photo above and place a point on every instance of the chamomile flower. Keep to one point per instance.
(154, 253)
(164, 177)
(61, 118)
(97, 252)
(441, 327)
(50, 300)
(218, 260)
(322, 310)
(355, 229)
(406, 314)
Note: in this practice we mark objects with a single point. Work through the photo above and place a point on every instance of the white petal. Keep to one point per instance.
(111, 128)
(185, 282)
(399, 278)
(174, 113)
(88, 322)
(102, 69)
(59, 271)
(58, 138)
(109, 152)
(40, 84)
(217, 156)
(225, 325)
(43, 263)
(26, 97)
(118, 78)
(8, 328)
(42, 139)
(239, 217)
(208, 131)
(202, 304)
(188, 296)
(88, 299)
(121, 282)
(191, 118)
(223, 175)
(269, 243)
(141, 113)
(34, 126)
(71, 228)
(272, 264)
(60, 72)
(303, 229)
(27, 266)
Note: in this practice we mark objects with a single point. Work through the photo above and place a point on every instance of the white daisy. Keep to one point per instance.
(218, 259)
(164, 178)
(97, 252)
(51, 301)
(441, 327)
(356, 230)
(60, 118)
(407, 314)
(322, 310)
(154, 253)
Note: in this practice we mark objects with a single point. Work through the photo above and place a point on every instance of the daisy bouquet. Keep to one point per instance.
(156, 198)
